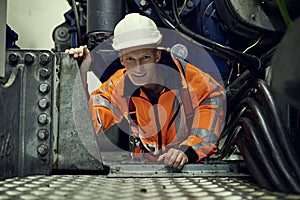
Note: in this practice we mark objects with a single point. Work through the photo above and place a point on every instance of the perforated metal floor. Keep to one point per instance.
(103, 187)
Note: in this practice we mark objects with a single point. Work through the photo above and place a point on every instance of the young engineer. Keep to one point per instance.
(175, 113)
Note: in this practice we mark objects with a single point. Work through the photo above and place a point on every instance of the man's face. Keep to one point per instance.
(140, 65)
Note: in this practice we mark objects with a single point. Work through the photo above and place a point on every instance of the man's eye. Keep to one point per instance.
(145, 57)
(130, 59)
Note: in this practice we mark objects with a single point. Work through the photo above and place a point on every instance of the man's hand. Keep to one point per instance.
(174, 158)
(79, 52)
(83, 53)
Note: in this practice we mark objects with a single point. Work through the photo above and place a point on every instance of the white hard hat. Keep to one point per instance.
(135, 30)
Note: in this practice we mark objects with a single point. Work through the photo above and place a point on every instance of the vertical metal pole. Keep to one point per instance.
(3, 6)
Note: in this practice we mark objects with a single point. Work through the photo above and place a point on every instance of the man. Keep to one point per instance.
(175, 113)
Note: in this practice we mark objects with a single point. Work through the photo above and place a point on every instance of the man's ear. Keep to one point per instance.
(121, 58)
(158, 55)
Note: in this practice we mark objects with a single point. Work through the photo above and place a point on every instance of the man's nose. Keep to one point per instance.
(139, 66)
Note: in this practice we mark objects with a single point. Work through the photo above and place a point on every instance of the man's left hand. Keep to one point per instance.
(174, 158)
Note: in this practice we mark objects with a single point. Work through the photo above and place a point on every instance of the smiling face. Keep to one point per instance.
(140, 65)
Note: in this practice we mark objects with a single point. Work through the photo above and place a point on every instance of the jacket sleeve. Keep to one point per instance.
(208, 99)
(101, 108)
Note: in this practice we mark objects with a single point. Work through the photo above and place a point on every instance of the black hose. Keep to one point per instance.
(74, 7)
(261, 154)
(239, 95)
(258, 150)
(266, 57)
(232, 118)
(266, 98)
(168, 22)
(267, 171)
(251, 61)
(235, 111)
(230, 131)
(275, 138)
(279, 125)
(272, 143)
(250, 159)
(228, 143)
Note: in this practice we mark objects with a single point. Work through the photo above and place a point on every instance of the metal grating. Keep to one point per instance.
(101, 187)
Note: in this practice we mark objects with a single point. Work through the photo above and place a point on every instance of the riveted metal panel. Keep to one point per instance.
(30, 78)
(39, 128)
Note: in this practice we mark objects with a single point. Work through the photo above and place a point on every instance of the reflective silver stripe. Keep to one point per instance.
(108, 84)
(216, 117)
(183, 64)
(101, 101)
(217, 86)
(212, 101)
(117, 111)
(199, 145)
(99, 121)
(209, 136)
(106, 88)
(218, 101)
(102, 91)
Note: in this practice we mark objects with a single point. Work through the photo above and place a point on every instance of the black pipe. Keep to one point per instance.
(228, 143)
(239, 95)
(268, 101)
(250, 159)
(266, 98)
(272, 143)
(235, 111)
(168, 22)
(262, 154)
(251, 61)
(258, 150)
(229, 131)
(279, 125)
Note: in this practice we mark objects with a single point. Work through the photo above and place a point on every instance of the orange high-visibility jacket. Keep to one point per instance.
(161, 123)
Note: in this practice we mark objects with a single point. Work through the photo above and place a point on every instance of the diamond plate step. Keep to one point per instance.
(102, 187)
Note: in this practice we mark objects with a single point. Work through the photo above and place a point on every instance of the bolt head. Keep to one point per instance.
(43, 134)
(29, 58)
(42, 149)
(44, 88)
(43, 103)
(43, 119)
(13, 58)
(45, 59)
(44, 73)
